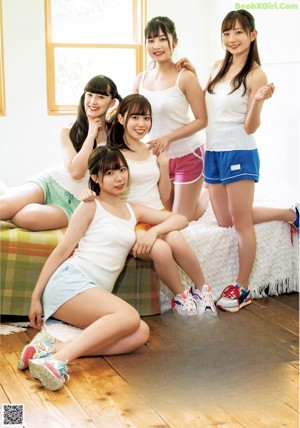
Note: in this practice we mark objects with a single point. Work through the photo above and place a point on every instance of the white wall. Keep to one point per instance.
(29, 136)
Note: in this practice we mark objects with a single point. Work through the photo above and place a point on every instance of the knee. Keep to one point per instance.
(161, 251)
(132, 321)
(145, 331)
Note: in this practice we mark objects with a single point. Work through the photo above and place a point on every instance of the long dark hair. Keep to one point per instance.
(134, 104)
(248, 24)
(97, 85)
(101, 160)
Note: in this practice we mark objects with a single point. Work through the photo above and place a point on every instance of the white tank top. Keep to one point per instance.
(102, 251)
(170, 111)
(143, 183)
(226, 117)
(60, 174)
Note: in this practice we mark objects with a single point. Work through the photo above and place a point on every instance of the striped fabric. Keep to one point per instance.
(23, 254)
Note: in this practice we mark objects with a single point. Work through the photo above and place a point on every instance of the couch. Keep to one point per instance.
(275, 271)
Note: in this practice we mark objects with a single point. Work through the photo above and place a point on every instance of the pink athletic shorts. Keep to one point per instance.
(187, 169)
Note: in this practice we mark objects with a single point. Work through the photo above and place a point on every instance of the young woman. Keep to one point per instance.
(235, 95)
(172, 95)
(47, 200)
(77, 289)
(149, 184)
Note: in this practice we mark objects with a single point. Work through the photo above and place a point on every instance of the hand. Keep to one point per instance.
(185, 63)
(158, 145)
(35, 314)
(144, 243)
(87, 195)
(95, 125)
(162, 159)
(265, 92)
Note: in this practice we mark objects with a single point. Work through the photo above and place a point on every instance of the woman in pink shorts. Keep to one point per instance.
(172, 94)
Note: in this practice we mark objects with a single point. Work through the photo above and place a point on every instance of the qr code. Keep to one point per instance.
(12, 415)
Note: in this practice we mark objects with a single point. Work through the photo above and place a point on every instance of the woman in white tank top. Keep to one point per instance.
(235, 95)
(76, 289)
(173, 96)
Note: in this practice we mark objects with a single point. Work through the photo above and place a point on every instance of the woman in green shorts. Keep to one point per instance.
(48, 199)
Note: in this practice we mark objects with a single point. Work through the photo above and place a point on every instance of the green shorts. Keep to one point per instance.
(54, 194)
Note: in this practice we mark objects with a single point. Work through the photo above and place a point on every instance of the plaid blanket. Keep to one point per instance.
(23, 254)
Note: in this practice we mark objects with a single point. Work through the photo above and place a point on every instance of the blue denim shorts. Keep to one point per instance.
(231, 166)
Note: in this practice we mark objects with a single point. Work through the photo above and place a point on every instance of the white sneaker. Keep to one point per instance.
(204, 299)
(184, 304)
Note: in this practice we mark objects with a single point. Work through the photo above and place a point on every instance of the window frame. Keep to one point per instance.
(138, 46)
(2, 84)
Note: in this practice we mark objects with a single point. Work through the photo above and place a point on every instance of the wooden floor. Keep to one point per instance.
(240, 370)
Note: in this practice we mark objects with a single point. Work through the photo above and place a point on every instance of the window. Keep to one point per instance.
(89, 37)
(2, 96)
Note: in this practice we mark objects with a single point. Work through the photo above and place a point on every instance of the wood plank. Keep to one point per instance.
(277, 313)
(118, 404)
(42, 408)
(289, 299)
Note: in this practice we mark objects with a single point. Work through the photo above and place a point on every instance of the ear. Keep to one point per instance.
(94, 177)
(253, 35)
(113, 102)
(175, 43)
(120, 119)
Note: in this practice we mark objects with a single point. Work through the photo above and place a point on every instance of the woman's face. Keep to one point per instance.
(159, 47)
(96, 105)
(237, 40)
(137, 126)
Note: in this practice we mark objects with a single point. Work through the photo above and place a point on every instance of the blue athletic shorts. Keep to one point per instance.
(228, 167)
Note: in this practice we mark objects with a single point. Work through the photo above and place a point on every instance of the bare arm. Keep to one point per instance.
(79, 223)
(163, 221)
(77, 163)
(136, 84)
(164, 184)
(186, 63)
(259, 91)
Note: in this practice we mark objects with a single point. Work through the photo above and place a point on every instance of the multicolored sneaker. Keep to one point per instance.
(184, 304)
(234, 298)
(208, 300)
(42, 345)
(295, 224)
(204, 299)
(53, 374)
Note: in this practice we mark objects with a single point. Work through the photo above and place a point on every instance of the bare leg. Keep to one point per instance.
(240, 196)
(185, 257)
(24, 206)
(263, 214)
(164, 264)
(186, 197)
(110, 326)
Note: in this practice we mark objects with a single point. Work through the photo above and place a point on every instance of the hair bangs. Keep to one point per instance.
(140, 108)
(98, 85)
(239, 16)
(154, 27)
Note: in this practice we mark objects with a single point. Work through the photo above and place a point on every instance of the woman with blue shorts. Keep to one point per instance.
(235, 94)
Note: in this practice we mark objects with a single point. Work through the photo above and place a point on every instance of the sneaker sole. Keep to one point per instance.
(236, 308)
(25, 357)
(45, 376)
